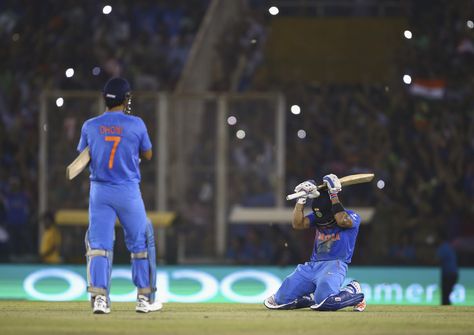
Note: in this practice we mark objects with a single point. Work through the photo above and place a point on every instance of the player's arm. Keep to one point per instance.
(147, 154)
(299, 220)
(343, 219)
(145, 143)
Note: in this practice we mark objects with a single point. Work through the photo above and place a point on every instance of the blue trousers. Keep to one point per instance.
(107, 202)
(322, 278)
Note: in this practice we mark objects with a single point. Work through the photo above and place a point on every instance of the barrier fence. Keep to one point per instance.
(228, 284)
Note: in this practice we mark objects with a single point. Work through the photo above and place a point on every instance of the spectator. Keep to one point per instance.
(50, 241)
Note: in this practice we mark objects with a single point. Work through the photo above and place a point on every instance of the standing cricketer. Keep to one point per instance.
(317, 283)
(116, 141)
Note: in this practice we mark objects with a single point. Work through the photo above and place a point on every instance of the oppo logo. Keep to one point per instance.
(77, 285)
(209, 285)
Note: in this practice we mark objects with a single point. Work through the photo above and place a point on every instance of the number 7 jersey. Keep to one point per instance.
(115, 140)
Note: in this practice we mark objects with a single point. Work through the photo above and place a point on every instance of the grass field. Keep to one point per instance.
(25, 317)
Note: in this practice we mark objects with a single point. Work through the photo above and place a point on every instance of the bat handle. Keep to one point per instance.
(295, 195)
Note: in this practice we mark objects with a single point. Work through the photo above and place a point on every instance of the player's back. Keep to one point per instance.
(115, 140)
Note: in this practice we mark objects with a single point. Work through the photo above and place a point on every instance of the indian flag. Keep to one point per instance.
(428, 88)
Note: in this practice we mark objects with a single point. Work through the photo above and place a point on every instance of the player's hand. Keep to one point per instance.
(308, 186)
(302, 200)
(333, 183)
(314, 194)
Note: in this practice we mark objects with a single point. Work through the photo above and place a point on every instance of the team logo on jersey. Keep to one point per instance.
(318, 212)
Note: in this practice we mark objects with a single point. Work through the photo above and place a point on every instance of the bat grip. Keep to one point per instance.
(296, 195)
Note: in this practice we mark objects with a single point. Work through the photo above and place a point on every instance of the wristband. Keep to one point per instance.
(332, 195)
(337, 208)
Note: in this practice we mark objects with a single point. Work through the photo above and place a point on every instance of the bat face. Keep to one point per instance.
(347, 180)
(79, 164)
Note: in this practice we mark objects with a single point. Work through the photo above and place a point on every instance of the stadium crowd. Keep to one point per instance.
(145, 41)
(420, 146)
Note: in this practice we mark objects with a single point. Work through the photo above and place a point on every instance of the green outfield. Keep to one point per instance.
(25, 317)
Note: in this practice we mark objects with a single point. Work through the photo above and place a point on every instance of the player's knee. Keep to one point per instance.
(136, 245)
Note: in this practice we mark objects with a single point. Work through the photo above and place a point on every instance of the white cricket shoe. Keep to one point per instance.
(270, 303)
(100, 305)
(144, 306)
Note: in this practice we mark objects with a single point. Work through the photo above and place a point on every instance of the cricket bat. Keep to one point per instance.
(79, 164)
(345, 181)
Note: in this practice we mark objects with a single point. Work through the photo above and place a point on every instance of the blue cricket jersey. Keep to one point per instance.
(335, 243)
(115, 140)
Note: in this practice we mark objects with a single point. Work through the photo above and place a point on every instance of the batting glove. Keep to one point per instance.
(333, 183)
(308, 186)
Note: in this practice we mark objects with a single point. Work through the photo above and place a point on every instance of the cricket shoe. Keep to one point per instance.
(100, 305)
(144, 305)
(360, 307)
(270, 303)
(355, 287)
(302, 302)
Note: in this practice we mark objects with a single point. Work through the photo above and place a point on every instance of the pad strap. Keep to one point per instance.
(97, 252)
(97, 291)
(146, 290)
(139, 255)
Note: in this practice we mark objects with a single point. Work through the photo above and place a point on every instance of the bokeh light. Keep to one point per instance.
(295, 109)
(407, 79)
(240, 134)
(59, 102)
(273, 10)
(301, 134)
(69, 72)
(231, 120)
(107, 10)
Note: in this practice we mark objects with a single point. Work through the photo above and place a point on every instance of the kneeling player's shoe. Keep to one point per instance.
(100, 305)
(354, 285)
(144, 305)
(270, 303)
(302, 302)
(360, 307)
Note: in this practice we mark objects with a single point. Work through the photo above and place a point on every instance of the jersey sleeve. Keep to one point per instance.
(355, 219)
(312, 219)
(145, 143)
(83, 140)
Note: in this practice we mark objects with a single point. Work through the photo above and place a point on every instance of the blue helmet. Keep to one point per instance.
(116, 91)
(322, 209)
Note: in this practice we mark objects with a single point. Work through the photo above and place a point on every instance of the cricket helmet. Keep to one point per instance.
(116, 91)
(322, 209)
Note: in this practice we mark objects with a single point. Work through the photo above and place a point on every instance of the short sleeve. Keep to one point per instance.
(145, 143)
(355, 219)
(83, 140)
(312, 219)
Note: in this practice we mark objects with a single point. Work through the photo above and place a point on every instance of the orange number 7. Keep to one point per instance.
(116, 140)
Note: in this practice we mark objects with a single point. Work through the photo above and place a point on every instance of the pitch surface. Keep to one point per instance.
(26, 317)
